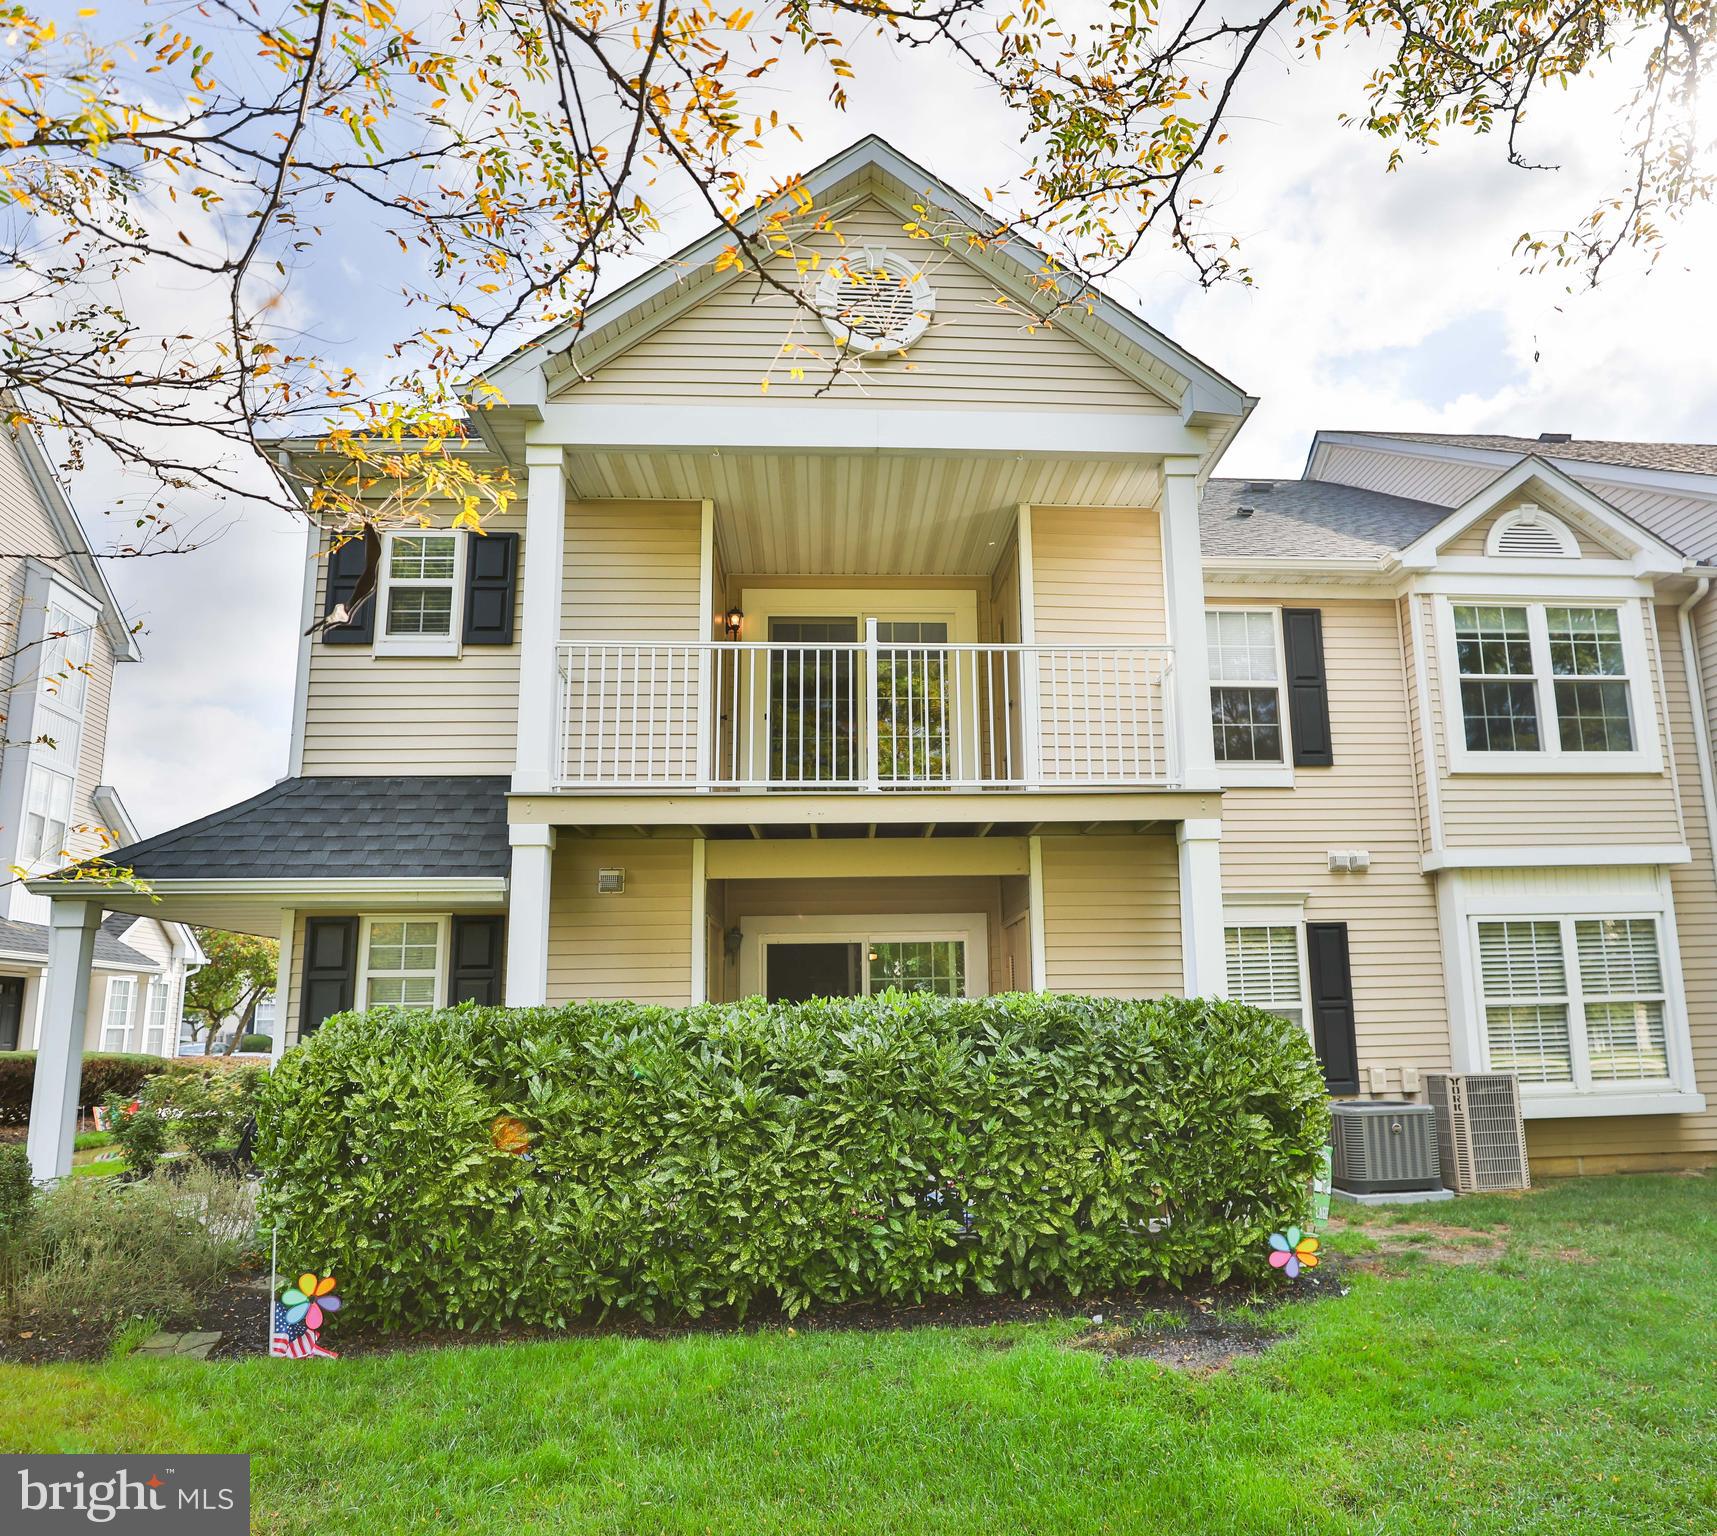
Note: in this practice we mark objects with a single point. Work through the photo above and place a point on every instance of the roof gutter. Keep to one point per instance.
(1696, 701)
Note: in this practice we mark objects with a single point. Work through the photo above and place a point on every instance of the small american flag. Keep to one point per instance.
(294, 1341)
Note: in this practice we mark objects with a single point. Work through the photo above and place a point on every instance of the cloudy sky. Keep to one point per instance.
(1379, 301)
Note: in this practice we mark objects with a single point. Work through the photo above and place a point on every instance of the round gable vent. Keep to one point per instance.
(874, 301)
(1532, 532)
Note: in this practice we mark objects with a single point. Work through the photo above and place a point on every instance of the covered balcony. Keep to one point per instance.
(764, 627)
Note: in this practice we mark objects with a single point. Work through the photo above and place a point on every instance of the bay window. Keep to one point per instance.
(1547, 686)
(47, 816)
(1574, 1002)
(155, 1016)
(116, 1013)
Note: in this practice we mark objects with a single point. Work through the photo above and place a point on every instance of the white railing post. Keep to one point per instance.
(872, 710)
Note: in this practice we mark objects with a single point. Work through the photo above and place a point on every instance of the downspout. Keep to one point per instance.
(1701, 725)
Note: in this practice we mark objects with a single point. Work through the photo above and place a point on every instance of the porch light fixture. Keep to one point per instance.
(610, 882)
(731, 622)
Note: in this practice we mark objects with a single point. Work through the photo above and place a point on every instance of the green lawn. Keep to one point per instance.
(1567, 1382)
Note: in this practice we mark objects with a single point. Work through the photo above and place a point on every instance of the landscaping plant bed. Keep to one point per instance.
(238, 1311)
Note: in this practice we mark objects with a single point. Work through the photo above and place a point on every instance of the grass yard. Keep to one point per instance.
(1550, 1366)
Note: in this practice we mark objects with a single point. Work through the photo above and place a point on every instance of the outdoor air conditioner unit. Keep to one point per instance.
(1384, 1148)
(1480, 1133)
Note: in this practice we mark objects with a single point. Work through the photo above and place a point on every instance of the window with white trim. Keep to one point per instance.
(1264, 968)
(116, 1014)
(155, 1017)
(1589, 674)
(419, 597)
(1549, 684)
(917, 965)
(1246, 707)
(47, 816)
(402, 962)
(62, 676)
(1499, 691)
(1577, 1002)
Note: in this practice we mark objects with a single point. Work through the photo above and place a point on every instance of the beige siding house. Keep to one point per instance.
(955, 667)
(62, 636)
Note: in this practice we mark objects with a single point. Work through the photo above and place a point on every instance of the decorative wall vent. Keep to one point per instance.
(872, 300)
(1532, 533)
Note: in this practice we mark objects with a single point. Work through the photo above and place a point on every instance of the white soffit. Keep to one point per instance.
(862, 514)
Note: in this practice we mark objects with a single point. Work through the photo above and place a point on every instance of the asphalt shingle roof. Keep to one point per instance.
(1308, 520)
(340, 829)
(1679, 458)
(32, 939)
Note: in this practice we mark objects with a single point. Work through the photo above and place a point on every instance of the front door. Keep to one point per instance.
(11, 1011)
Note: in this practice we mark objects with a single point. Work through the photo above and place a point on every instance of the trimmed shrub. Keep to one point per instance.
(104, 1073)
(255, 1043)
(480, 1166)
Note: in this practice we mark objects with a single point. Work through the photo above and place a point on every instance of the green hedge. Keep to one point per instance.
(894, 1147)
(103, 1073)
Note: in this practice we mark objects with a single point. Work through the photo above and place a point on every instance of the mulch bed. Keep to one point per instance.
(1163, 1324)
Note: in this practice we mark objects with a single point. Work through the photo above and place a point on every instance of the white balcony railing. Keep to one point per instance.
(864, 716)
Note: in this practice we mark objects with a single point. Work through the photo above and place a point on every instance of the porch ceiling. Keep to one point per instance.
(863, 514)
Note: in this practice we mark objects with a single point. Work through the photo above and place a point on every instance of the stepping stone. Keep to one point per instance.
(194, 1345)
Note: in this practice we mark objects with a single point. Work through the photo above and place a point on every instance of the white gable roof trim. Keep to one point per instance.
(1654, 557)
(650, 300)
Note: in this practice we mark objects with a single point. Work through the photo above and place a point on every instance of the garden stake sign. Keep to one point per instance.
(297, 1314)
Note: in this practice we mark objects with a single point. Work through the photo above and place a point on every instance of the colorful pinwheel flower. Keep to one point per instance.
(310, 1300)
(1293, 1251)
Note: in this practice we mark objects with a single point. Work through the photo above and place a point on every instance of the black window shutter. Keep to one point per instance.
(491, 579)
(330, 970)
(345, 566)
(1332, 1005)
(476, 969)
(1308, 687)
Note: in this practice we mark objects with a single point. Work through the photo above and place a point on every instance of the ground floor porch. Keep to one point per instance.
(428, 892)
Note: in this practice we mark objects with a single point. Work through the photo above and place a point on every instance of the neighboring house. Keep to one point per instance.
(960, 673)
(192, 1042)
(61, 636)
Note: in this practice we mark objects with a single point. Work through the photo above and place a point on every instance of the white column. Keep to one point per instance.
(527, 914)
(1203, 958)
(1183, 581)
(59, 1040)
(283, 983)
(1034, 916)
(539, 673)
(700, 922)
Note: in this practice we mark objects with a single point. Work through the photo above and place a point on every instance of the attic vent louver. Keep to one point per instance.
(872, 300)
(1532, 533)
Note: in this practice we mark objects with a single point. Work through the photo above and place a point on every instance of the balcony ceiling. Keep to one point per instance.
(863, 514)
